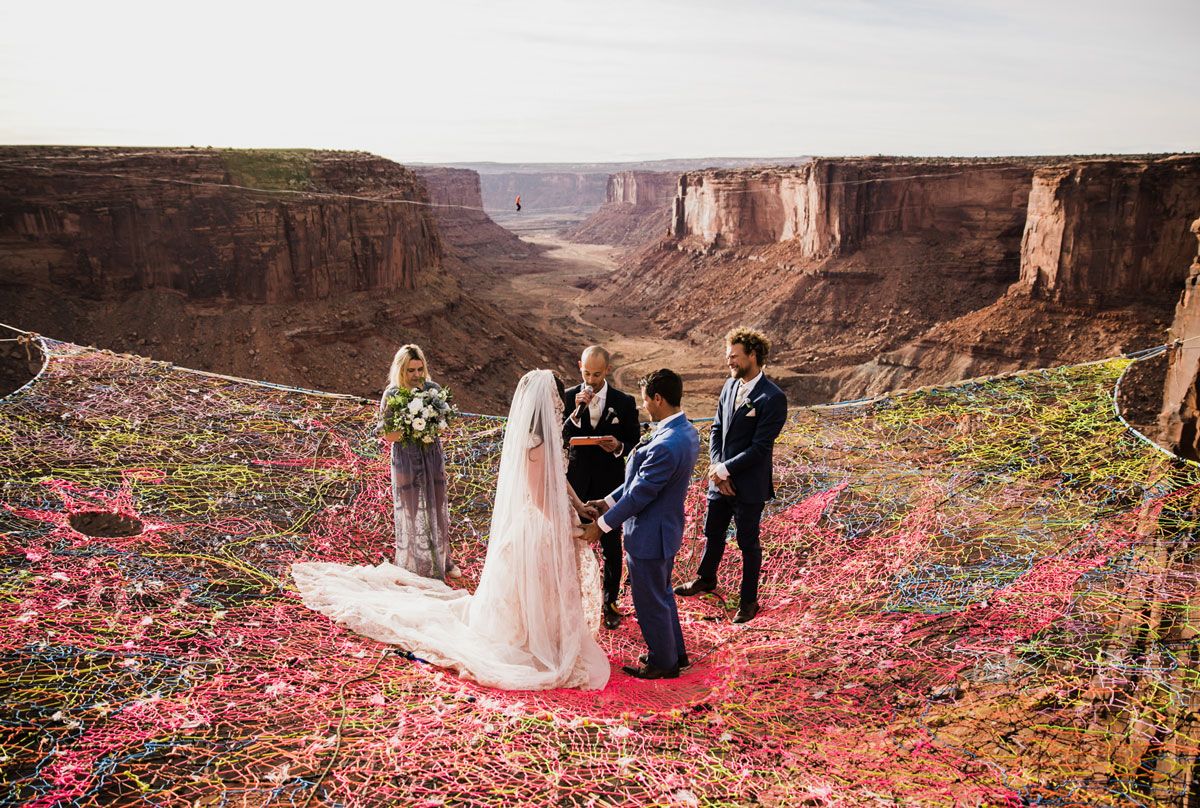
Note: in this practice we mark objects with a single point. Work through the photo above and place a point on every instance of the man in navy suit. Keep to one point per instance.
(750, 414)
(596, 409)
(649, 505)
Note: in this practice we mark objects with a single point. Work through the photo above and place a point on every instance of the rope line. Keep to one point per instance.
(980, 593)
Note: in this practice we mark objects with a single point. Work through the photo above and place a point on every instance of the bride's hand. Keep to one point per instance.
(588, 512)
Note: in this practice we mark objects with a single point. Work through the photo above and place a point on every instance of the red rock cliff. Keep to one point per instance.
(1180, 419)
(1105, 231)
(642, 189)
(876, 274)
(636, 210)
(829, 206)
(465, 227)
(108, 222)
(158, 252)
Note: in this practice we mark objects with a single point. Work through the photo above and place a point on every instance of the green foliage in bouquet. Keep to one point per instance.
(415, 417)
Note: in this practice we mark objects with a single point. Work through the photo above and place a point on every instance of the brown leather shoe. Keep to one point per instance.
(650, 672)
(746, 612)
(696, 587)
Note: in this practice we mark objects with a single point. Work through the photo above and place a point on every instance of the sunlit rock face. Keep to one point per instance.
(636, 211)
(105, 223)
(1106, 231)
(1180, 416)
(829, 206)
(464, 226)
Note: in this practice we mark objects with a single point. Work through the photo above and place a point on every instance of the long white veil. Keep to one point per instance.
(529, 592)
(525, 627)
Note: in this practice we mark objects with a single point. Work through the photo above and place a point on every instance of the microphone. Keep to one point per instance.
(578, 414)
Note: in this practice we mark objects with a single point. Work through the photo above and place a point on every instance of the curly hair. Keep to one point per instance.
(753, 341)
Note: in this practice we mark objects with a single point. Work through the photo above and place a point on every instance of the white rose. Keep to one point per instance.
(414, 406)
(442, 424)
(429, 413)
(418, 424)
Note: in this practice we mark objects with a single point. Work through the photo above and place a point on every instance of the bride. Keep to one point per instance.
(526, 626)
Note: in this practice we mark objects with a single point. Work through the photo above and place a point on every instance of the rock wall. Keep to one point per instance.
(165, 253)
(648, 190)
(1179, 422)
(109, 222)
(636, 210)
(1107, 231)
(829, 206)
(465, 227)
(554, 191)
(877, 274)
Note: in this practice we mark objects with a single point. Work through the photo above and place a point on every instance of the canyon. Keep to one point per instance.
(308, 268)
(557, 196)
(305, 268)
(876, 274)
(636, 210)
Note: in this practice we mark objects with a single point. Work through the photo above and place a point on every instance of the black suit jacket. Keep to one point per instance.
(744, 440)
(593, 472)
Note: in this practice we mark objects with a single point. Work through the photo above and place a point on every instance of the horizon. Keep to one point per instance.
(768, 159)
(614, 83)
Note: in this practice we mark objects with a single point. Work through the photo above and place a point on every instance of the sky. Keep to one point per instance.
(616, 80)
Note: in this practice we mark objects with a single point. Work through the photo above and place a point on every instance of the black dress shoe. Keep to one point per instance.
(612, 618)
(696, 587)
(650, 672)
(746, 612)
(684, 662)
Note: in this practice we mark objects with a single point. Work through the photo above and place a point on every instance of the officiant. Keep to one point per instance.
(604, 423)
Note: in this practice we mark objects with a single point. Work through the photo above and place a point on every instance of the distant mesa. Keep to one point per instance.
(877, 274)
(871, 274)
(303, 267)
(108, 222)
(636, 210)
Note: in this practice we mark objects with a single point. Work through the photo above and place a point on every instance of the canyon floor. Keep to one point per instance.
(553, 291)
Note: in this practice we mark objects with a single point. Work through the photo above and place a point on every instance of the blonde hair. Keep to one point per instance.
(400, 361)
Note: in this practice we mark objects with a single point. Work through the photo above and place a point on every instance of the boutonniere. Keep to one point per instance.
(611, 414)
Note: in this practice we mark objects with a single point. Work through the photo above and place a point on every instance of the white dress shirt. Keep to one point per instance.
(744, 389)
(608, 499)
(595, 408)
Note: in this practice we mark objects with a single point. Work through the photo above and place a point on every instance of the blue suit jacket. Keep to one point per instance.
(650, 502)
(744, 440)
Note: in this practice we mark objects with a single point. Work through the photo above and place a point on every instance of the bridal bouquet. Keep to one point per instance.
(414, 417)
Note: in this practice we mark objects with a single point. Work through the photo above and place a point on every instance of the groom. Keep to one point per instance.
(650, 507)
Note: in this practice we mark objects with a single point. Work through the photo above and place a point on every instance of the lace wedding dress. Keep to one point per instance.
(530, 623)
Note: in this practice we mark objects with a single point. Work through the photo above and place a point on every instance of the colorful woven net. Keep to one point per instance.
(981, 594)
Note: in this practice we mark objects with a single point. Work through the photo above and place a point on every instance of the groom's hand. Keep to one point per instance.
(592, 533)
(600, 505)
